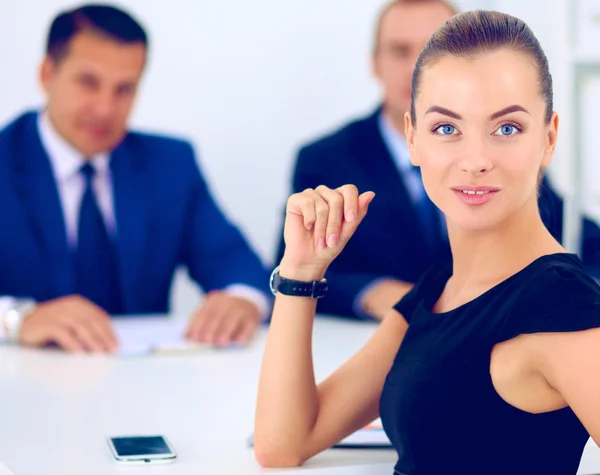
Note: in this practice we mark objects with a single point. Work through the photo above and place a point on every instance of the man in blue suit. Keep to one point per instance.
(403, 233)
(96, 219)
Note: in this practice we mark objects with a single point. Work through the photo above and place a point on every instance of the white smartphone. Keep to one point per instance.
(141, 450)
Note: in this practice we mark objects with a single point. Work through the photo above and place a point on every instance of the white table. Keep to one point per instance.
(56, 409)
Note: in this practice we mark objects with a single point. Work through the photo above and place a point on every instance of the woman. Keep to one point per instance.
(490, 364)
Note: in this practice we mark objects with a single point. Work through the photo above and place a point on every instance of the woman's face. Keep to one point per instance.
(480, 137)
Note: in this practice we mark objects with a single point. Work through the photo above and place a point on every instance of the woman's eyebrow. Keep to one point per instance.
(508, 110)
(495, 115)
(443, 111)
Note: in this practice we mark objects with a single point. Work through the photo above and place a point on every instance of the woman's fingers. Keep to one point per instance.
(362, 207)
(350, 196)
(335, 216)
(332, 215)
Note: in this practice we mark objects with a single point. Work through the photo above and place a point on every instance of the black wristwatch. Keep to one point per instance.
(315, 290)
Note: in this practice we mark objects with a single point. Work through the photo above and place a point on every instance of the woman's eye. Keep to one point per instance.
(445, 129)
(506, 130)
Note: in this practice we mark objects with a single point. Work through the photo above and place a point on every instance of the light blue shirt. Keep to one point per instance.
(398, 149)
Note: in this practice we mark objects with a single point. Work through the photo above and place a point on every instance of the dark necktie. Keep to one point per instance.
(96, 263)
(428, 216)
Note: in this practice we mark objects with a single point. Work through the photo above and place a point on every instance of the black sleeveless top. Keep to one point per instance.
(439, 407)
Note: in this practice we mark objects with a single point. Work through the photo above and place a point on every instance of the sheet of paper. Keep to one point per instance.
(372, 435)
(143, 336)
(4, 470)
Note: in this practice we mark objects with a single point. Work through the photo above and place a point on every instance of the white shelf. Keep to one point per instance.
(586, 58)
(583, 57)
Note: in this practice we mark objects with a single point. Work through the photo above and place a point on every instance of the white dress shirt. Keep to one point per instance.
(398, 149)
(66, 162)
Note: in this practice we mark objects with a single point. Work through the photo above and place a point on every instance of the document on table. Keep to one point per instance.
(370, 437)
(4, 470)
(144, 336)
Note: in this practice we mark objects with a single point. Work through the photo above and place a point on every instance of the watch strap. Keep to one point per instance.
(316, 289)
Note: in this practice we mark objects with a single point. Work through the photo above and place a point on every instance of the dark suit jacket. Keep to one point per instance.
(389, 242)
(165, 217)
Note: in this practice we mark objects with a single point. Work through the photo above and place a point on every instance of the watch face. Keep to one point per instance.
(273, 280)
(12, 318)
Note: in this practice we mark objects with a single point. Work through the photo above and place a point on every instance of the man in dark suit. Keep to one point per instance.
(403, 233)
(96, 219)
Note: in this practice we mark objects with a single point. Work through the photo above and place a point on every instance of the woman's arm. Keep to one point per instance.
(570, 363)
(295, 419)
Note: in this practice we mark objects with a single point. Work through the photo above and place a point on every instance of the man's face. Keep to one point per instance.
(404, 31)
(90, 92)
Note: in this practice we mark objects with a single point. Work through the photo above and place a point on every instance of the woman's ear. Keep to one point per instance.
(409, 132)
(551, 139)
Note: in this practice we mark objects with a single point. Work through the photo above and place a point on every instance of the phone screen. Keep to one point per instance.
(136, 446)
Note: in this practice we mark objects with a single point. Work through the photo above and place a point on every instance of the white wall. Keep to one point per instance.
(549, 20)
(247, 82)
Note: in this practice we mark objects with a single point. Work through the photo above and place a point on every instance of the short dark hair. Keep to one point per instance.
(104, 19)
(473, 33)
(393, 3)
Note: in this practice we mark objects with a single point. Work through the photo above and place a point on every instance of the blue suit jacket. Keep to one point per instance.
(164, 213)
(389, 242)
